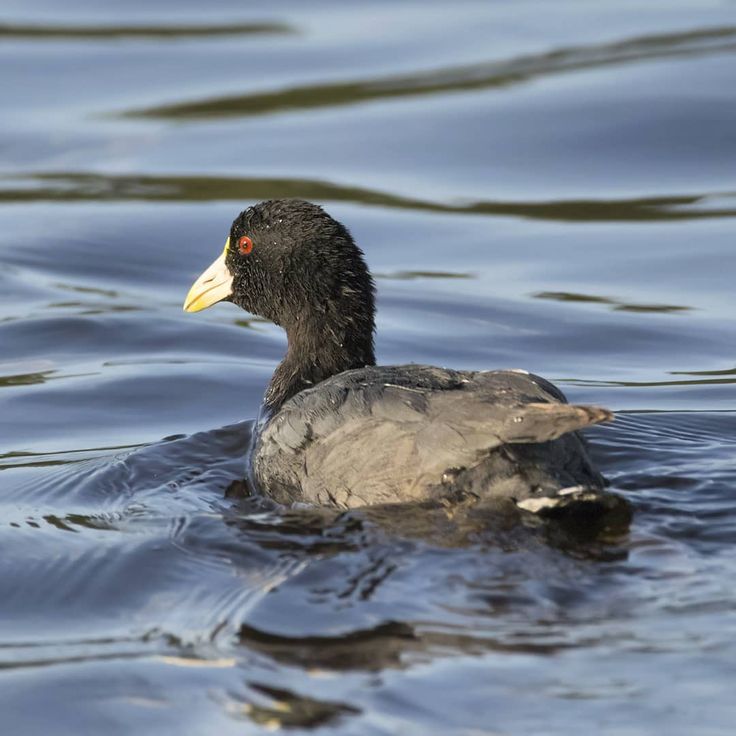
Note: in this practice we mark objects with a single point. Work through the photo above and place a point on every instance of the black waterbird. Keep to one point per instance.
(340, 431)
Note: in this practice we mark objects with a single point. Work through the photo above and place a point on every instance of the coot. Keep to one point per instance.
(339, 430)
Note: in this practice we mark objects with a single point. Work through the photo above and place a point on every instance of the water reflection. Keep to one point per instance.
(413, 275)
(370, 649)
(567, 296)
(483, 152)
(459, 79)
(280, 708)
(57, 32)
(25, 379)
(83, 187)
(725, 372)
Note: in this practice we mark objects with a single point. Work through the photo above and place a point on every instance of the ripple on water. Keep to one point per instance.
(550, 190)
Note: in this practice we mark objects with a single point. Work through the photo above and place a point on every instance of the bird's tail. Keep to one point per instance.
(539, 422)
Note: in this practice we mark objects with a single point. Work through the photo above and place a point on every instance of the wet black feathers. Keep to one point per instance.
(306, 274)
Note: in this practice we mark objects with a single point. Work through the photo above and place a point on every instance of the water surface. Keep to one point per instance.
(540, 185)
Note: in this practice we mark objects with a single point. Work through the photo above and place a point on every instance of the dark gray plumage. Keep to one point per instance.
(340, 431)
(386, 434)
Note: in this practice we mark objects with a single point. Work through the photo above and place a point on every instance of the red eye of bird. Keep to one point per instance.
(245, 245)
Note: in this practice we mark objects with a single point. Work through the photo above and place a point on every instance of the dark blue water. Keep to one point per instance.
(541, 185)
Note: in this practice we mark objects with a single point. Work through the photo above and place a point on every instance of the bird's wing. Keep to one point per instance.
(389, 432)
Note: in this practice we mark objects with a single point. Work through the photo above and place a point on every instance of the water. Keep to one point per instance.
(539, 185)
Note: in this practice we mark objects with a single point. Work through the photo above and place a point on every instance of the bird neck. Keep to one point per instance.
(318, 350)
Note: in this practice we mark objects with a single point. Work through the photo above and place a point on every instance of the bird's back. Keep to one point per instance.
(387, 434)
